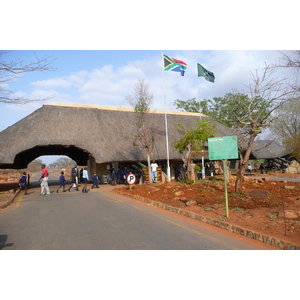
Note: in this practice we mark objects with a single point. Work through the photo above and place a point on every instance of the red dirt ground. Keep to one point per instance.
(258, 212)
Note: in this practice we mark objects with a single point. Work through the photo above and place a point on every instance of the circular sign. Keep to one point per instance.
(131, 178)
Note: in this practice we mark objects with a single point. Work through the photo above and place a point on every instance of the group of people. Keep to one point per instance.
(23, 183)
(120, 176)
(74, 179)
(84, 178)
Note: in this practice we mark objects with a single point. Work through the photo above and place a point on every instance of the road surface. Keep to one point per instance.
(102, 220)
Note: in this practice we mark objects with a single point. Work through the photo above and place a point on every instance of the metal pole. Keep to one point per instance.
(225, 186)
(203, 165)
(166, 123)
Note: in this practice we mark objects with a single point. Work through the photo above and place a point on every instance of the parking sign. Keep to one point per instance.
(131, 178)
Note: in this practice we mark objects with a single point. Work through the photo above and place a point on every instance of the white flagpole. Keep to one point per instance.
(166, 122)
(203, 165)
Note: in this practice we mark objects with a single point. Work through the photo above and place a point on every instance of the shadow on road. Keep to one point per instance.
(3, 240)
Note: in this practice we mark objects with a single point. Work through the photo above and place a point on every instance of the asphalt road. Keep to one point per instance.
(102, 220)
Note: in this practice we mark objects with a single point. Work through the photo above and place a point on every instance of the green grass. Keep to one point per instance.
(274, 217)
(238, 209)
(249, 213)
(207, 209)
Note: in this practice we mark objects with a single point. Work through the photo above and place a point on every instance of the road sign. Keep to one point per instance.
(131, 179)
(146, 175)
(225, 147)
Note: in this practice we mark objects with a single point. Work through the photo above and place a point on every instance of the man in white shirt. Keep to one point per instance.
(154, 166)
(249, 168)
(85, 178)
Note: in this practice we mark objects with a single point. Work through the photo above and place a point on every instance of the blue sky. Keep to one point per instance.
(106, 77)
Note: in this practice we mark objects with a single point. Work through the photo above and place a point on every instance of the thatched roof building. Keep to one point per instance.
(84, 131)
(268, 149)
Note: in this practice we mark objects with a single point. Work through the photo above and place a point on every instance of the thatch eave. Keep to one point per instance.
(106, 133)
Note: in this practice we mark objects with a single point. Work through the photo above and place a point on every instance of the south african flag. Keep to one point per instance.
(173, 64)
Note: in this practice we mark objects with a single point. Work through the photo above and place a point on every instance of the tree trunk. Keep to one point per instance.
(243, 163)
(240, 175)
(188, 162)
(149, 168)
(192, 173)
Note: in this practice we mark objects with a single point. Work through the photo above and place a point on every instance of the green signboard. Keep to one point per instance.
(225, 147)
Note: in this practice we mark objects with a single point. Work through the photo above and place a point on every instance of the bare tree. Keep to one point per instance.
(10, 70)
(291, 60)
(266, 94)
(286, 126)
(146, 130)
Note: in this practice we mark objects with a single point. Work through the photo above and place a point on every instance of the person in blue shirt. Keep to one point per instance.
(23, 183)
(95, 181)
(113, 177)
(120, 176)
(61, 182)
(126, 173)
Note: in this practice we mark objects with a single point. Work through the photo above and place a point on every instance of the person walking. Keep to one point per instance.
(85, 178)
(261, 167)
(23, 183)
(61, 182)
(74, 177)
(44, 181)
(95, 181)
(154, 166)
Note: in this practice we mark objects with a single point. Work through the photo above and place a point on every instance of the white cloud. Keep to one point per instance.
(110, 85)
(53, 83)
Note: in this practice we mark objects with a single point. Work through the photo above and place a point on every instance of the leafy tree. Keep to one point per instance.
(62, 162)
(145, 128)
(193, 139)
(10, 70)
(248, 113)
(294, 145)
(190, 105)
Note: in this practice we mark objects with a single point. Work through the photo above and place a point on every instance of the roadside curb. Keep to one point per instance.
(220, 224)
(11, 201)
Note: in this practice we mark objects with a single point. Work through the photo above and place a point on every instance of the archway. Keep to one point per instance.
(22, 159)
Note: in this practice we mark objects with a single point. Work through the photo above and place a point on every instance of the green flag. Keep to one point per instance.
(209, 76)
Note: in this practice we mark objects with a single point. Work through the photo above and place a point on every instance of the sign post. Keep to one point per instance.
(146, 175)
(225, 186)
(131, 180)
(223, 148)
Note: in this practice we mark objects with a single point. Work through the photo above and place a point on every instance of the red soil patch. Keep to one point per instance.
(259, 207)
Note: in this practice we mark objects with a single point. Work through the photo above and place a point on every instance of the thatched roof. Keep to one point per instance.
(267, 149)
(78, 131)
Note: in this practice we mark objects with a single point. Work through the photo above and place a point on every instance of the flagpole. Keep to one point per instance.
(166, 122)
(200, 109)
